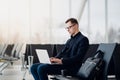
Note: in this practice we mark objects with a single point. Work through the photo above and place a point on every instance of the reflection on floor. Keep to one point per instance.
(15, 73)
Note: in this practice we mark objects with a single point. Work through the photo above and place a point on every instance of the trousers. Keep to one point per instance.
(41, 71)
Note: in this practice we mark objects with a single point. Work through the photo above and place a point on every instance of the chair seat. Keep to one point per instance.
(60, 77)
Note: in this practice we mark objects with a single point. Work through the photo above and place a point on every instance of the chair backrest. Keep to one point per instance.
(91, 51)
(56, 48)
(108, 49)
(8, 50)
(4, 49)
(116, 61)
(1, 48)
(16, 50)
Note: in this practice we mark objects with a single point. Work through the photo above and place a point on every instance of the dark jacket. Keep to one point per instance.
(74, 50)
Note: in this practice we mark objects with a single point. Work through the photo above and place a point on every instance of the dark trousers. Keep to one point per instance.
(41, 71)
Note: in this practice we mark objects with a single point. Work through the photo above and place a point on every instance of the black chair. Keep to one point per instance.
(31, 50)
(108, 49)
(116, 62)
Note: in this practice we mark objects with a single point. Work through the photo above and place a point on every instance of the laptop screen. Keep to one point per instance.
(43, 56)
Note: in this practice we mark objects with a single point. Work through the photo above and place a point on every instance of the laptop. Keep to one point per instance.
(43, 56)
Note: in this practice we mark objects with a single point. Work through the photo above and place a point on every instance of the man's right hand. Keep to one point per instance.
(55, 60)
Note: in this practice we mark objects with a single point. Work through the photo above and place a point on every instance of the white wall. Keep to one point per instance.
(42, 21)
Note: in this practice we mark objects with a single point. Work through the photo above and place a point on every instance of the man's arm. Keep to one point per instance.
(60, 54)
(82, 48)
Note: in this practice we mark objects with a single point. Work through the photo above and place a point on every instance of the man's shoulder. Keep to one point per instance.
(81, 36)
(83, 39)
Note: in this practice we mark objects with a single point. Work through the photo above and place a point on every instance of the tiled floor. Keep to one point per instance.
(15, 73)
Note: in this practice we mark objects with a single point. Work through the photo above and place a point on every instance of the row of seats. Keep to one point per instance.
(53, 49)
(8, 54)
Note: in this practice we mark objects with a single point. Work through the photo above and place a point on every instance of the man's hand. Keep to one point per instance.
(55, 60)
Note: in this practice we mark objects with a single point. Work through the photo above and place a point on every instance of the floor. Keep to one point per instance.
(14, 72)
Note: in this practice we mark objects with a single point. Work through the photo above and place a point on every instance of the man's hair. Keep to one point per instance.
(72, 20)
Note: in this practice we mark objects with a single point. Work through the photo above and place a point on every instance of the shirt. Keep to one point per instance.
(74, 50)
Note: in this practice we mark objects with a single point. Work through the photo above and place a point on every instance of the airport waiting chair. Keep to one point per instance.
(108, 49)
(4, 64)
(14, 54)
(9, 59)
(3, 48)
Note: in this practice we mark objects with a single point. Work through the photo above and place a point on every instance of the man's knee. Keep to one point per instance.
(42, 68)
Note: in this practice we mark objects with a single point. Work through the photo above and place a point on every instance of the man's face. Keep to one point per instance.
(71, 28)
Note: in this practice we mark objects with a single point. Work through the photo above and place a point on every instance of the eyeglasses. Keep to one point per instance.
(69, 26)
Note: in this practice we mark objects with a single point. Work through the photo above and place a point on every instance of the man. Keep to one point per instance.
(70, 58)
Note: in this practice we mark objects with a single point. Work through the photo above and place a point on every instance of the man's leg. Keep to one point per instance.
(44, 69)
(33, 70)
